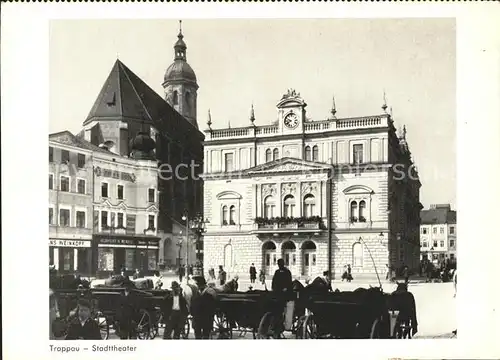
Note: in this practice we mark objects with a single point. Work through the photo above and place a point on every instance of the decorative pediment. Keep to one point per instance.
(288, 165)
(228, 195)
(358, 189)
(122, 206)
(152, 208)
(107, 203)
(291, 98)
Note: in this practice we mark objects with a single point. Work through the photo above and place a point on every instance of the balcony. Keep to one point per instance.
(284, 225)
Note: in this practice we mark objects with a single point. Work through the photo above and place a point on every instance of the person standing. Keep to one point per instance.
(181, 272)
(211, 274)
(253, 274)
(137, 274)
(176, 305)
(82, 326)
(406, 274)
(282, 286)
(262, 277)
(349, 274)
(222, 276)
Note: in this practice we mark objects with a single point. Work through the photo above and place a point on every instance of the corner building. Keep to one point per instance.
(319, 194)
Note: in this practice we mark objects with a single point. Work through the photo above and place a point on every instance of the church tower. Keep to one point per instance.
(180, 82)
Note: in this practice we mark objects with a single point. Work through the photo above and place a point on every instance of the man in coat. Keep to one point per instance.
(176, 310)
(253, 274)
(222, 275)
(82, 326)
(282, 286)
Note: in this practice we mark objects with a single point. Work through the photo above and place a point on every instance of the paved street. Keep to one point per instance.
(435, 307)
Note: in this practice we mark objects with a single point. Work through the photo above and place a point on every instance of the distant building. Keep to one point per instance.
(438, 233)
(107, 206)
(319, 194)
(126, 106)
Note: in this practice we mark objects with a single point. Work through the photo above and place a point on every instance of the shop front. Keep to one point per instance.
(129, 253)
(71, 256)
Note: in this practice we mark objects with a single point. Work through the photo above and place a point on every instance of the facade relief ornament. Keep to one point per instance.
(288, 189)
(291, 93)
(309, 188)
(268, 189)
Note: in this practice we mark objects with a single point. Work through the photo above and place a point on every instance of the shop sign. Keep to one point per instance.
(112, 241)
(119, 175)
(69, 243)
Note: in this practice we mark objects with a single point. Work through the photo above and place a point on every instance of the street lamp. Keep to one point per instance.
(198, 226)
(179, 244)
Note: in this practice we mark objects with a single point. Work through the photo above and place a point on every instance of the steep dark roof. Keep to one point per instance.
(124, 96)
(67, 138)
(438, 216)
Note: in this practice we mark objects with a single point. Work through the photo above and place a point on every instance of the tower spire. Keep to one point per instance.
(180, 46)
(209, 120)
(180, 28)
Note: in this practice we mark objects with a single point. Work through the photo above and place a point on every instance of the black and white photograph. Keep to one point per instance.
(250, 172)
(200, 196)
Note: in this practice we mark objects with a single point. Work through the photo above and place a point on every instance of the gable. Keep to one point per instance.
(288, 165)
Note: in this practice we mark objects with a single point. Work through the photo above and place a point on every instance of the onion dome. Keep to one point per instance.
(142, 147)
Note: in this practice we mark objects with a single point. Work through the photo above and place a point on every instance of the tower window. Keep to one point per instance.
(175, 98)
(188, 99)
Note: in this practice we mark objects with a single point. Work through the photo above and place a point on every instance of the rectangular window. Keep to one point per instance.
(80, 219)
(357, 153)
(120, 220)
(425, 244)
(441, 243)
(151, 222)
(120, 192)
(65, 156)
(104, 190)
(81, 161)
(51, 181)
(287, 259)
(452, 243)
(51, 154)
(424, 231)
(51, 216)
(129, 259)
(452, 256)
(452, 230)
(434, 230)
(106, 259)
(441, 230)
(435, 243)
(104, 219)
(151, 195)
(64, 216)
(228, 160)
(64, 183)
(81, 186)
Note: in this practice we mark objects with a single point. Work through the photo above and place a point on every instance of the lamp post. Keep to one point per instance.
(198, 225)
(179, 244)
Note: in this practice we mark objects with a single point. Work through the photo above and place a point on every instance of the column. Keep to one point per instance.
(221, 161)
(299, 199)
(258, 202)
(56, 258)
(75, 259)
(323, 191)
(368, 151)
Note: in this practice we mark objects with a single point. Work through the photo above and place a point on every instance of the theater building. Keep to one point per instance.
(319, 194)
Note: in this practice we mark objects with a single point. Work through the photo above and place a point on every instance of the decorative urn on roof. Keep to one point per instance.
(142, 147)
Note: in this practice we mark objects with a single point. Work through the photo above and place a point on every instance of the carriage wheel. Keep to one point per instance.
(299, 327)
(143, 325)
(187, 329)
(310, 328)
(222, 327)
(376, 331)
(103, 324)
(266, 327)
(403, 329)
(155, 327)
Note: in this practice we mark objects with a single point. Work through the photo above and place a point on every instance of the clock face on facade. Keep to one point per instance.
(291, 121)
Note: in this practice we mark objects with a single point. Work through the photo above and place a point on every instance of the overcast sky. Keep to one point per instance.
(240, 62)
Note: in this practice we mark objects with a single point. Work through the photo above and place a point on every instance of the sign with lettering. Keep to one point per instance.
(115, 174)
(115, 241)
(69, 243)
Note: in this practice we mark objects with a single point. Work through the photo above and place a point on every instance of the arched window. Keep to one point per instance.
(269, 207)
(289, 206)
(315, 153)
(224, 215)
(354, 212)
(362, 208)
(268, 155)
(307, 153)
(175, 98)
(309, 205)
(276, 154)
(357, 255)
(188, 100)
(232, 215)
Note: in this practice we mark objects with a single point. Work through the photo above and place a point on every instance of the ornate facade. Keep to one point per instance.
(319, 194)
